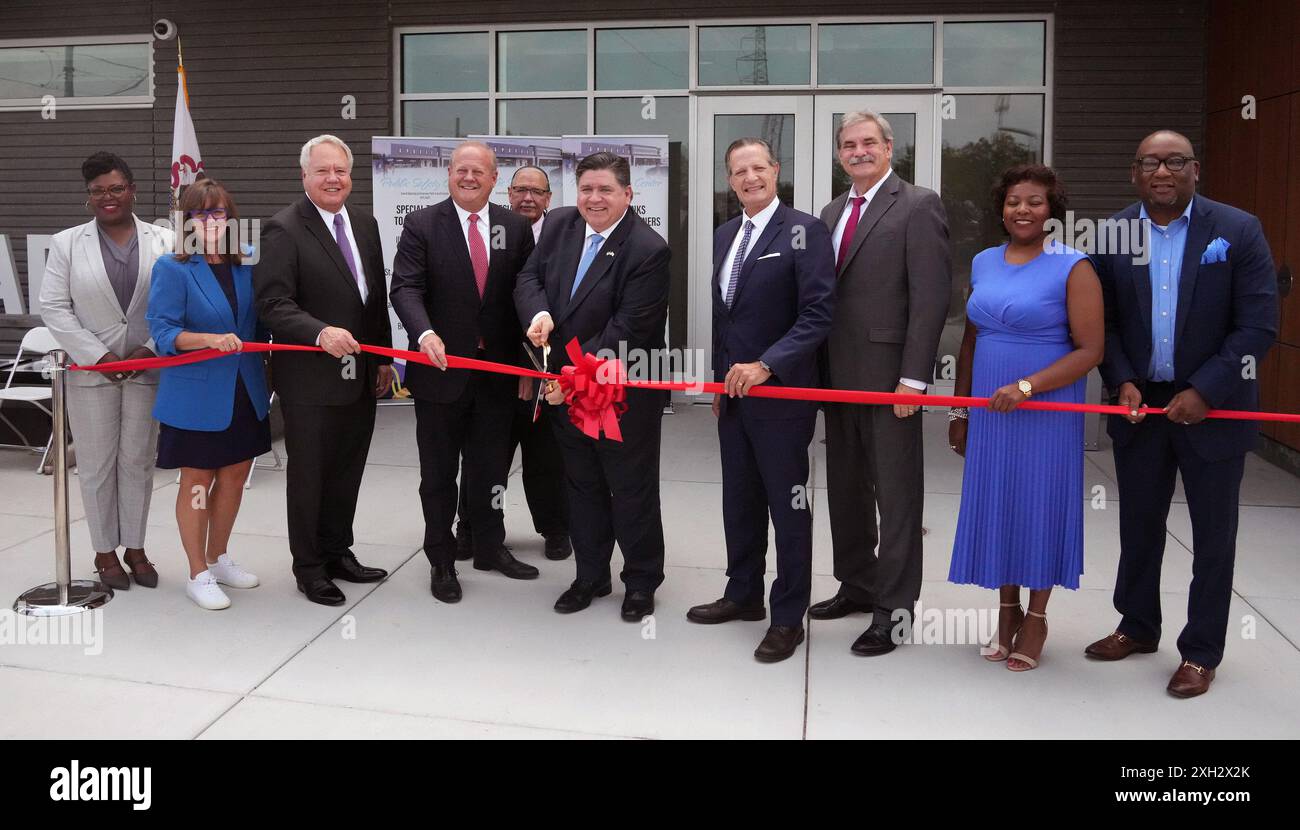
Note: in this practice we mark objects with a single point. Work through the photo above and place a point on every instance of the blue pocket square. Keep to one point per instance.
(1216, 251)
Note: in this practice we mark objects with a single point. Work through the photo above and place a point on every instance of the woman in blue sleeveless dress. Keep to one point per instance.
(1034, 328)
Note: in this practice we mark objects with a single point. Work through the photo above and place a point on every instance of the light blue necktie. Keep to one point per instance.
(587, 258)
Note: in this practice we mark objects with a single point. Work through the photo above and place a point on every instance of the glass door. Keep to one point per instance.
(911, 117)
(786, 123)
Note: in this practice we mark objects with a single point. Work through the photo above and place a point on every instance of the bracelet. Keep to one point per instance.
(956, 413)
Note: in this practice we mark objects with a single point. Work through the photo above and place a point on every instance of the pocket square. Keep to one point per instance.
(768, 256)
(1216, 251)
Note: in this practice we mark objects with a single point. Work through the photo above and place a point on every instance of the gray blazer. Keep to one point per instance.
(81, 310)
(891, 295)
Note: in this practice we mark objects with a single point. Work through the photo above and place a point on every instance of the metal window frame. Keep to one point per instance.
(83, 102)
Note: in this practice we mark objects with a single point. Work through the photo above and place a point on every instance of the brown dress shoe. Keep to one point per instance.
(141, 568)
(1190, 680)
(110, 571)
(1117, 646)
(779, 643)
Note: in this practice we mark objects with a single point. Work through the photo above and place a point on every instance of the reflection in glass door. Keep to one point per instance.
(785, 122)
(911, 117)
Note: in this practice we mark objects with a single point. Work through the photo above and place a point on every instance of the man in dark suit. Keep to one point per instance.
(600, 274)
(1186, 324)
(542, 465)
(773, 294)
(320, 281)
(453, 287)
(891, 301)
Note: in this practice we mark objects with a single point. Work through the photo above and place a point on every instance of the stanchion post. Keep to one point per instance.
(64, 595)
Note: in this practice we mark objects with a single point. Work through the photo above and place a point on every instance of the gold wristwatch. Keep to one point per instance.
(1026, 388)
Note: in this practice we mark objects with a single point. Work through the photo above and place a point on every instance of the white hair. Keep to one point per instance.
(304, 158)
(886, 131)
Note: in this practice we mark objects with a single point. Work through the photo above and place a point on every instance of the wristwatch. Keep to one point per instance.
(1026, 388)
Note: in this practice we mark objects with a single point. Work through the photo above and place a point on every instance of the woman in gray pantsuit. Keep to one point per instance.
(93, 300)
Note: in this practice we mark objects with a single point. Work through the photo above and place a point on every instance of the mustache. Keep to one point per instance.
(861, 158)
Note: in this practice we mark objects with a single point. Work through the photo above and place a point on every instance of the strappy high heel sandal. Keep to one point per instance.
(1029, 662)
(110, 571)
(994, 651)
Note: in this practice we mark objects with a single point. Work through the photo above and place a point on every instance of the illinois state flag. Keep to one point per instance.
(186, 159)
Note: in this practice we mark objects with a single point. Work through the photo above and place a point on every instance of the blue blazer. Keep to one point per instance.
(185, 296)
(1227, 312)
(781, 311)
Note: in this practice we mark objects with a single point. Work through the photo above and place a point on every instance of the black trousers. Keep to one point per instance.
(765, 471)
(477, 424)
(874, 461)
(613, 492)
(327, 448)
(1146, 468)
(543, 473)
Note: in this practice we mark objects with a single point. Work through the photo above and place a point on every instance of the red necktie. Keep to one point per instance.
(478, 255)
(849, 228)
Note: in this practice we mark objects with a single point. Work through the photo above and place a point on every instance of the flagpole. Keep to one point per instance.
(177, 224)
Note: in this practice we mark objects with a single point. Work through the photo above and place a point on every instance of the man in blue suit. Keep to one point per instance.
(773, 294)
(1186, 325)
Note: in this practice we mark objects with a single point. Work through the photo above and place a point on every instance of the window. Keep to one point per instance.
(875, 53)
(993, 53)
(80, 73)
(546, 61)
(755, 55)
(642, 58)
(445, 62)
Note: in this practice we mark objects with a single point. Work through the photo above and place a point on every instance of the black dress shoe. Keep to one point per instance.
(505, 562)
(836, 607)
(322, 591)
(724, 610)
(348, 569)
(443, 583)
(779, 643)
(637, 605)
(558, 547)
(464, 542)
(579, 596)
(878, 639)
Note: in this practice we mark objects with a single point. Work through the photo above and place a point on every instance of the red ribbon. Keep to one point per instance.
(596, 390)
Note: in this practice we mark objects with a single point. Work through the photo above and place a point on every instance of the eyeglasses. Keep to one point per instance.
(213, 213)
(104, 192)
(535, 192)
(1150, 164)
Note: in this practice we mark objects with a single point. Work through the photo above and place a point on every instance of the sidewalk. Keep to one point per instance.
(396, 663)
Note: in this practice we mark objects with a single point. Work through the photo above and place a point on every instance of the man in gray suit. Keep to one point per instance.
(892, 281)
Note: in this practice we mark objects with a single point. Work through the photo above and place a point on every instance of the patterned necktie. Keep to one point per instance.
(737, 262)
(478, 255)
(849, 228)
(341, 237)
(587, 258)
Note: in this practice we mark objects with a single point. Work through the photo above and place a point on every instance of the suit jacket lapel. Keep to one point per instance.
(461, 263)
(883, 201)
(721, 245)
(497, 260)
(604, 258)
(211, 289)
(1199, 233)
(325, 236)
(243, 275)
(95, 264)
(575, 242)
(144, 242)
(1142, 283)
(758, 248)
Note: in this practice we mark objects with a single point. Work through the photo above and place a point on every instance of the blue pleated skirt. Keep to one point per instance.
(1021, 519)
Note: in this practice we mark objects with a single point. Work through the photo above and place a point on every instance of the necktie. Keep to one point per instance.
(849, 228)
(341, 237)
(587, 257)
(478, 255)
(737, 262)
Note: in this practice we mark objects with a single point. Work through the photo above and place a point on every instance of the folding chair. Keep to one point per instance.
(37, 341)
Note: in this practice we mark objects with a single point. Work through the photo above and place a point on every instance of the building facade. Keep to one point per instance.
(969, 87)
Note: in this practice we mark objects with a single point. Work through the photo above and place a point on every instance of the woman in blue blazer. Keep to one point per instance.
(213, 413)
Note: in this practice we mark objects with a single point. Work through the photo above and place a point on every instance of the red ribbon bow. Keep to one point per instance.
(596, 392)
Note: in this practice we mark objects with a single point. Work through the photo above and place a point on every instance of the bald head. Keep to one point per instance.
(472, 175)
(1171, 137)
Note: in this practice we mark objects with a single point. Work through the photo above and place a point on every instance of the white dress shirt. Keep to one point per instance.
(484, 231)
(537, 228)
(586, 240)
(760, 221)
(838, 238)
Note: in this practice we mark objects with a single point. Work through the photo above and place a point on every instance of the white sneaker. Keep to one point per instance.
(226, 571)
(205, 592)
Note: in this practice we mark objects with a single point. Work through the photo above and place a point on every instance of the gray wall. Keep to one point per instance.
(266, 76)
